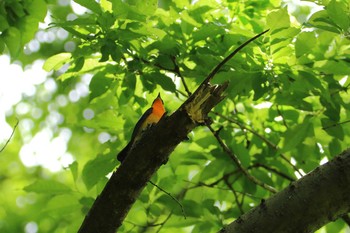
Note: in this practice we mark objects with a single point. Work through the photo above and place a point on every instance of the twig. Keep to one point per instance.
(163, 223)
(175, 71)
(218, 67)
(238, 163)
(280, 113)
(269, 143)
(177, 201)
(335, 124)
(178, 73)
(274, 171)
(8, 140)
(212, 185)
(236, 196)
(202, 184)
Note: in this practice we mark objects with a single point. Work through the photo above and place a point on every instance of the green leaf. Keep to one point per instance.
(73, 167)
(242, 153)
(248, 185)
(12, 39)
(333, 128)
(3, 23)
(305, 43)
(339, 13)
(335, 147)
(332, 67)
(262, 176)
(320, 19)
(150, 79)
(99, 84)
(90, 4)
(47, 187)
(192, 209)
(57, 61)
(295, 135)
(130, 83)
(146, 7)
(278, 19)
(78, 64)
(106, 20)
(165, 62)
(37, 9)
(96, 169)
(2, 45)
(165, 82)
(213, 169)
(62, 205)
(86, 201)
(207, 30)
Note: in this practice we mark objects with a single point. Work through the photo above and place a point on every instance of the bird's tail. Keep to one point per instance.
(123, 153)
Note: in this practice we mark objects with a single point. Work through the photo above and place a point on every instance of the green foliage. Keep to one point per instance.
(19, 21)
(48, 187)
(287, 104)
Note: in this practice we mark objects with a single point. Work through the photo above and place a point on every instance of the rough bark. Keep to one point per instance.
(153, 150)
(305, 205)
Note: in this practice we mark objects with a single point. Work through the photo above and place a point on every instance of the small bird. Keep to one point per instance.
(151, 116)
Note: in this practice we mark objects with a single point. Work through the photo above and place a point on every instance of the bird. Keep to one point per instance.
(150, 117)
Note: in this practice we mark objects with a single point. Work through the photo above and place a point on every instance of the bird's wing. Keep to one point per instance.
(138, 126)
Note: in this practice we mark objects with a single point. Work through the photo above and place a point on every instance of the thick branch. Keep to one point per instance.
(305, 205)
(153, 150)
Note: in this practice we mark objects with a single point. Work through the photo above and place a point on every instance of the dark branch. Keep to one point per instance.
(305, 205)
(238, 163)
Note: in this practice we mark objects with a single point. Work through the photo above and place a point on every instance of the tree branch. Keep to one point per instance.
(151, 151)
(238, 163)
(268, 142)
(305, 205)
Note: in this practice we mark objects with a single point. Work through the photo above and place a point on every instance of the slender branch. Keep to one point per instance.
(163, 223)
(335, 124)
(202, 184)
(280, 113)
(274, 171)
(236, 196)
(213, 184)
(269, 143)
(178, 73)
(169, 194)
(8, 140)
(218, 67)
(238, 163)
(175, 70)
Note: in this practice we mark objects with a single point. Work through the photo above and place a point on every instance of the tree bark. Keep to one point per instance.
(110, 208)
(305, 205)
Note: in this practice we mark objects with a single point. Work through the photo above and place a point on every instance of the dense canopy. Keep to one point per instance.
(286, 110)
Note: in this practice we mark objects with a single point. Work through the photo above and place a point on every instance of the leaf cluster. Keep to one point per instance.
(286, 111)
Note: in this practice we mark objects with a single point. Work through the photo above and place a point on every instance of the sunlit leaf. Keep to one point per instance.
(47, 187)
(99, 84)
(57, 61)
(278, 19)
(96, 169)
(90, 4)
(296, 135)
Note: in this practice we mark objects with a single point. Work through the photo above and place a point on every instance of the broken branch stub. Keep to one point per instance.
(203, 100)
